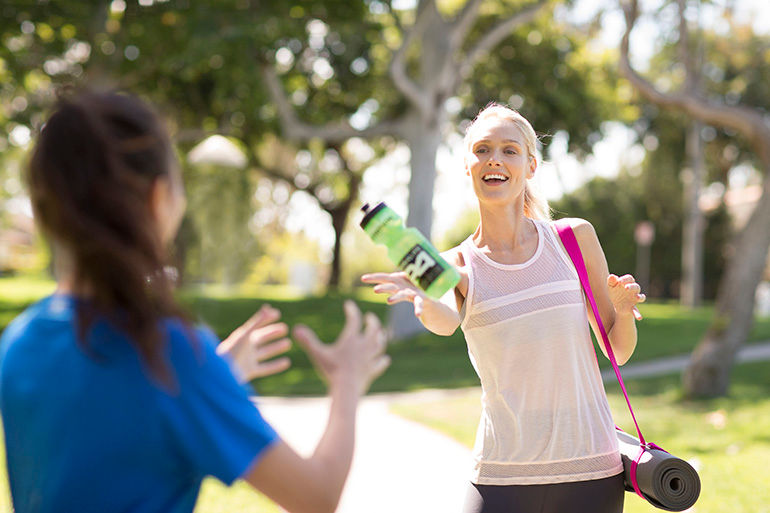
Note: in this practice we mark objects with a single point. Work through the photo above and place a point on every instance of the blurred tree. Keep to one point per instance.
(709, 370)
(330, 172)
(198, 62)
(653, 196)
(445, 60)
(351, 69)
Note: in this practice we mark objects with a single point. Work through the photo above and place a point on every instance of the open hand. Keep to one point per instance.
(625, 293)
(356, 358)
(398, 288)
(251, 346)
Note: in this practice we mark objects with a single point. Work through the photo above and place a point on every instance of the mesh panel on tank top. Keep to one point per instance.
(543, 282)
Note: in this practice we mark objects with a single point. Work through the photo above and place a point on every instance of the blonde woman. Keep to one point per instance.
(546, 440)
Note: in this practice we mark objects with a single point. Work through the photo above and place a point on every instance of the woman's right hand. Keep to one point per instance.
(398, 288)
(356, 358)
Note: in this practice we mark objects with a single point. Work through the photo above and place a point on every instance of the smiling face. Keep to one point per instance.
(498, 160)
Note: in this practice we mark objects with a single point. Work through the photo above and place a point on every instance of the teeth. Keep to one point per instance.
(493, 176)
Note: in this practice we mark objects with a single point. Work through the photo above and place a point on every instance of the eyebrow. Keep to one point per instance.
(504, 140)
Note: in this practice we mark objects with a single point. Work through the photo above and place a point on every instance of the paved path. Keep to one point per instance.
(401, 466)
(673, 364)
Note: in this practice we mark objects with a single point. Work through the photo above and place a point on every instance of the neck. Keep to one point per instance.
(503, 226)
(64, 271)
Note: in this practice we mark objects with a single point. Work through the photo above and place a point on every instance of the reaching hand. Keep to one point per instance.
(625, 293)
(356, 358)
(248, 347)
(398, 288)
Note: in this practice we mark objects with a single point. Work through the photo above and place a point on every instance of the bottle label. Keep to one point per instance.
(420, 266)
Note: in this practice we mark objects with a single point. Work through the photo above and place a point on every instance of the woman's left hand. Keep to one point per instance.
(250, 346)
(625, 293)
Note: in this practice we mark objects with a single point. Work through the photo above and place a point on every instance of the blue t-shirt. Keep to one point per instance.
(95, 434)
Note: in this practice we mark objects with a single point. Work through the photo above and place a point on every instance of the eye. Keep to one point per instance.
(481, 149)
(510, 151)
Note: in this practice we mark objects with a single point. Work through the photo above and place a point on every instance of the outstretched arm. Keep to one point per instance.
(439, 316)
(314, 484)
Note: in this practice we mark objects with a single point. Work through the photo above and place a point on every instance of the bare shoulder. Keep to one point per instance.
(584, 231)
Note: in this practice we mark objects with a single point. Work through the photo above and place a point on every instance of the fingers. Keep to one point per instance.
(265, 315)
(273, 367)
(274, 349)
(637, 314)
(418, 306)
(402, 295)
(386, 288)
(307, 339)
(259, 336)
(373, 332)
(352, 321)
(381, 277)
(626, 281)
(382, 363)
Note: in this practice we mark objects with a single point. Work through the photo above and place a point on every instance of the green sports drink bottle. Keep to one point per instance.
(409, 250)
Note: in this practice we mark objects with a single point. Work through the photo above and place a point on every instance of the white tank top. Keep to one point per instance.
(545, 417)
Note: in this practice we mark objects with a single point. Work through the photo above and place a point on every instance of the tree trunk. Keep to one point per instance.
(423, 140)
(694, 222)
(708, 373)
(339, 218)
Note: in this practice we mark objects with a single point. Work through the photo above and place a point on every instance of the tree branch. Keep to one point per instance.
(464, 22)
(744, 120)
(397, 69)
(497, 34)
(396, 19)
(685, 56)
(193, 135)
(294, 128)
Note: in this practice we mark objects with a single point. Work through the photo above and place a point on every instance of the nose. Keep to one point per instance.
(494, 160)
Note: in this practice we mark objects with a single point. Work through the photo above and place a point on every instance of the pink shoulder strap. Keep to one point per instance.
(573, 250)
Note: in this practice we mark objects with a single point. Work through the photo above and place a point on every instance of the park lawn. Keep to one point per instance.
(423, 361)
(726, 439)
(427, 360)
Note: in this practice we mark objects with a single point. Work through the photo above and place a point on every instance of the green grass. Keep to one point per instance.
(423, 361)
(728, 439)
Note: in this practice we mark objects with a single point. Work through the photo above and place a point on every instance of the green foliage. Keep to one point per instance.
(615, 206)
(550, 75)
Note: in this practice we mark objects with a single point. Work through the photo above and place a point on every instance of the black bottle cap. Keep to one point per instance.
(370, 212)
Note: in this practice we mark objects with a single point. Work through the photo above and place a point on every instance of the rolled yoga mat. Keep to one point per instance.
(666, 481)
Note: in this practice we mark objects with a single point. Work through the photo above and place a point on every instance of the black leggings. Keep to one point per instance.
(598, 496)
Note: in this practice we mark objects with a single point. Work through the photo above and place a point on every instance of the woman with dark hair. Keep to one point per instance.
(111, 399)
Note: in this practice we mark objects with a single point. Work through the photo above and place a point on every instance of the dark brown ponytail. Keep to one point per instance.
(90, 179)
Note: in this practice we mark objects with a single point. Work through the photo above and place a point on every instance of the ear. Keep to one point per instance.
(159, 193)
(532, 166)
